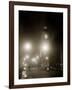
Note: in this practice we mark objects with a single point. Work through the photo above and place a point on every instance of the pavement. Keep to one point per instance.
(36, 72)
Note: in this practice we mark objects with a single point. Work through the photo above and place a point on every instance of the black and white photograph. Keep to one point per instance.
(39, 44)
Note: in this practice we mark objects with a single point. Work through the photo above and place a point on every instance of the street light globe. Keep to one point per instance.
(27, 46)
(44, 47)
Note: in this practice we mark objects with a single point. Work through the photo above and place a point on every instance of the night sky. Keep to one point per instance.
(31, 27)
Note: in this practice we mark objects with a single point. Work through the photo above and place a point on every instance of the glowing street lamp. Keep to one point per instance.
(44, 47)
(27, 46)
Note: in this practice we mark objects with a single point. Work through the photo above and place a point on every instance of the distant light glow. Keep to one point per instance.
(46, 36)
(27, 46)
(24, 59)
(34, 60)
(47, 68)
(46, 58)
(24, 74)
(24, 68)
(44, 47)
(37, 57)
(25, 65)
(27, 57)
(45, 27)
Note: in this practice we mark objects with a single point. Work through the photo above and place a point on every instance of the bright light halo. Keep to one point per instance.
(27, 46)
